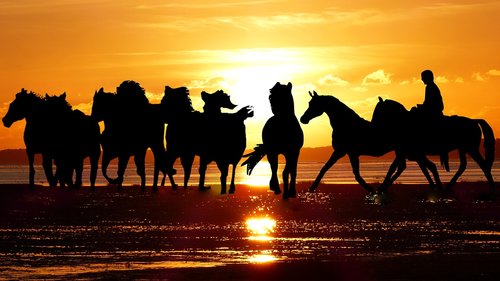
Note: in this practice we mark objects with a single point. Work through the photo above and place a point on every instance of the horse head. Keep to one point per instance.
(315, 109)
(176, 102)
(21, 107)
(387, 112)
(102, 105)
(281, 99)
(57, 104)
(131, 94)
(215, 101)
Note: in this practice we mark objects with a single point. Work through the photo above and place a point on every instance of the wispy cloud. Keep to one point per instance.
(493, 72)
(330, 80)
(205, 5)
(478, 76)
(379, 77)
(442, 79)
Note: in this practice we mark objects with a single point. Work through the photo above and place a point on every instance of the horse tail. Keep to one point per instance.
(254, 157)
(489, 142)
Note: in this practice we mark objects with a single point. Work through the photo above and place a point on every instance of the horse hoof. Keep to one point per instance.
(232, 190)
(204, 188)
(277, 191)
(222, 192)
(174, 186)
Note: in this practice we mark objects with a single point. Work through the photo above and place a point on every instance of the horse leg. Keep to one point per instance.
(395, 170)
(274, 184)
(170, 160)
(139, 159)
(187, 164)
(94, 163)
(47, 168)
(461, 169)
(122, 166)
(158, 155)
(202, 171)
(223, 168)
(232, 187)
(79, 172)
(424, 163)
(355, 169)
(285, 176)
(476, 156)
(336, 155)
(292, 162)
(31, 160)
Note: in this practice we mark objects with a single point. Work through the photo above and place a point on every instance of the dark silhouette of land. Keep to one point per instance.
(282, 134)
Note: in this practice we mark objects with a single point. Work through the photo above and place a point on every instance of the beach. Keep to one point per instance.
(332, 234)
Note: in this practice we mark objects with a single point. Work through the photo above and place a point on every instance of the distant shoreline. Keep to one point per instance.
(307, 154)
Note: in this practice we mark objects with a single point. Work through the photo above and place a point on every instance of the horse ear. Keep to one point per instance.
(315, 94)
(289, 85)
(311, 94)
(101, 90)
(380, 99)
(204, 95)
(63, 95)
(46, 96)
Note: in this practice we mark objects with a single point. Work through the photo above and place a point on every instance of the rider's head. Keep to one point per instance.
(427, 76)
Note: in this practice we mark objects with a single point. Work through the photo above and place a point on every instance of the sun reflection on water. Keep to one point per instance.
(261, 228)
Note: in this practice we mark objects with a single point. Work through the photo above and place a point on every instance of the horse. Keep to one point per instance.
(182, 136)
(75, 137)
(223, 138)
(31, 107)
(281, 134)
(450, 133)
(132, 125)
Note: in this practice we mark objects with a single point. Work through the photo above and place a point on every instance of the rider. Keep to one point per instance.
(431, 111)
(433, 102)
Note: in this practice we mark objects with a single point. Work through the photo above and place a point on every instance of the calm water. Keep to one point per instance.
(373, 172)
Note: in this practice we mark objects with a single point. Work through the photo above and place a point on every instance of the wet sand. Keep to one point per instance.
(333, 234)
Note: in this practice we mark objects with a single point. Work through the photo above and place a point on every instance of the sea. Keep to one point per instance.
(341, 172)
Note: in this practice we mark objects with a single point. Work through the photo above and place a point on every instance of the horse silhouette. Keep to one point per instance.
(46, 134)
(183, 131)
(31, 107)
(452, 133)
(282, 134)
(223, 138)
(132, 125)
(354, 136)
(75, 136)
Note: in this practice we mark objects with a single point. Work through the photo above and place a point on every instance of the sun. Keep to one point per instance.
(253, 72)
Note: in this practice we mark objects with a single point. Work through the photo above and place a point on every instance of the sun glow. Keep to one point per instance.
(261, 228)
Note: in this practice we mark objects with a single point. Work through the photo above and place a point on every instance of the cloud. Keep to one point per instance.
(493, 72)
(379, 77)
(210, 84)
(330, 80)
(478, 77)
(459, 80)
(405, 82)
(442, 79)
(360, 89)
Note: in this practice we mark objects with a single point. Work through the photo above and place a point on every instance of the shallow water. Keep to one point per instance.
(60, 234)
(372, 172)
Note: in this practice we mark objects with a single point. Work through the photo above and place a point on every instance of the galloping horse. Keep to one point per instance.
(75, 136)
(223, 138)
(131, 126)
(454, 132)
(352, 135)
(282, 134)
(31, 107)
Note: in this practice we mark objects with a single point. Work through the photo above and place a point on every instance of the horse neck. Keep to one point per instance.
(212, 109)
(340, 115)
(37, 109)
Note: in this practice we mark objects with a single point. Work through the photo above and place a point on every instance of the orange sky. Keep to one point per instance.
(356, 51)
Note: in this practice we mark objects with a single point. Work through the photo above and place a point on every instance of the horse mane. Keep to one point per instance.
(342, 108)
(29, 94)
(57, 103)
(131, 94)
(177, 100)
